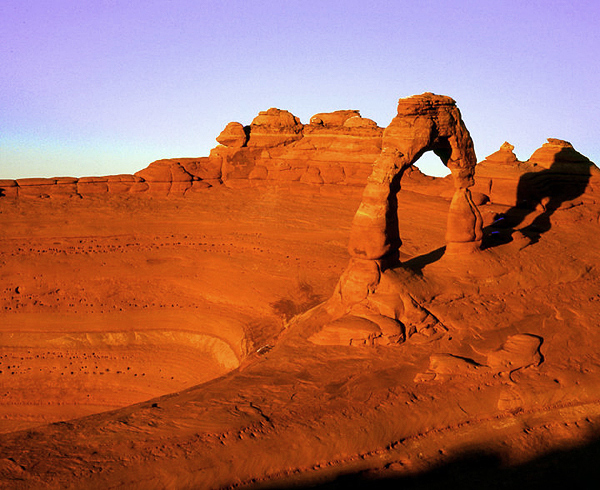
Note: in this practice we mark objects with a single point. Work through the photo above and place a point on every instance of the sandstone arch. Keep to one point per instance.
(424, 122)
(372, 287)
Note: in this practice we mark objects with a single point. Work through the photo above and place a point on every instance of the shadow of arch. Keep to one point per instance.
(542, 192)
(417, 264)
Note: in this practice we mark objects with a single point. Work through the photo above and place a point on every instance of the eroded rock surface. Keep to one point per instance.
(234, 135)
(426, 122)
(506, 180)
(420, 361)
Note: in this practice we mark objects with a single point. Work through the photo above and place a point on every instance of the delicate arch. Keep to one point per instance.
(424, 123)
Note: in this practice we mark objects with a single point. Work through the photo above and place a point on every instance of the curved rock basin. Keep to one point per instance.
(51, 376)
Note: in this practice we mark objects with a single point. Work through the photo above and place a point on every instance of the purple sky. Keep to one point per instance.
(100, 87)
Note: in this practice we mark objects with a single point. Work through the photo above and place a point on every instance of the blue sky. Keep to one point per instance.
(102, 87)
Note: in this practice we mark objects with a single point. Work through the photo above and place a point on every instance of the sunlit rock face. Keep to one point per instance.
(425, 122)
(234, 135)
(372, 287)
(334, 149)
(188, 312)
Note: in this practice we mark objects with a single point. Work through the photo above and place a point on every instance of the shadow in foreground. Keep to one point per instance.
(565, 469)
(417, 264)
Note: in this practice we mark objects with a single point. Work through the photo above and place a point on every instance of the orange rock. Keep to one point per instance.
(506, 180)
(35, 187)
(560, 153)
(8, 188)
(166, 177)
(91, 186)
(425, 122)
(335, 119)
(118, 184)
(505, 155)
(274, 127)
(234, 135)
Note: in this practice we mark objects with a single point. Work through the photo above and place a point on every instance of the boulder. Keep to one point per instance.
(274, 127)
(333, 119)
(233, 136)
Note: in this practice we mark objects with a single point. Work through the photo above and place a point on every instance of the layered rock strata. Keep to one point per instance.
(374, 287)
(336, 148)
(426, 122)
(555, 168)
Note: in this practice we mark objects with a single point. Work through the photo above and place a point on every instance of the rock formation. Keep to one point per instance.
(274, 128)
(336, 148)
(369, 288)
(234, 135)
(555, 163)
(199, 322)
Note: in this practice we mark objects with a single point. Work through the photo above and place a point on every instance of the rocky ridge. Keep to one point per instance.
(466, 321)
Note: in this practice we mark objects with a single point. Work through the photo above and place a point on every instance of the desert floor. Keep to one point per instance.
(174, 315)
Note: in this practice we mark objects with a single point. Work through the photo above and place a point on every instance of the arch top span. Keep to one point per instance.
(426, 122)
(432, 122)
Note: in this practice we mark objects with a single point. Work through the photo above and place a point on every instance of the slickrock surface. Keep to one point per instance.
(280, 357)
(107, 302)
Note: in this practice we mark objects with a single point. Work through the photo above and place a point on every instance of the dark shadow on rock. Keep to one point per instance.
(476, 470)
(417, 264)
(545, 192)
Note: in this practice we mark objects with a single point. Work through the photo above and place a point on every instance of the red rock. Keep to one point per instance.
(259, 172)
(556, 163)
(560, 154)
(312, 176)
(351, 330)
(8, 188)
(119, 184)
(334, 119)
(199, 324)
(92, 186)
(166, 177)
(504, 155)
(234, 136)
(274, 127)
(425, 122)
(35, 187)
(360, 122)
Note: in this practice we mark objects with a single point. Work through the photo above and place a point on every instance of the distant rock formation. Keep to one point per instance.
(234, 135)
(503, 179)
(274, 128)
(336, 148)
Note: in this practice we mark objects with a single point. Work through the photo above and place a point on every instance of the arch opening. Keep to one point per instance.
(431, 164)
